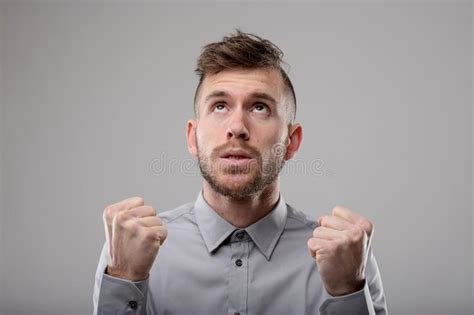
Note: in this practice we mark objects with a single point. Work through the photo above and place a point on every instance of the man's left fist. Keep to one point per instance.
(340, 245)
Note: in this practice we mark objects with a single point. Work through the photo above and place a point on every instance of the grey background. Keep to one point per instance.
(94, 99)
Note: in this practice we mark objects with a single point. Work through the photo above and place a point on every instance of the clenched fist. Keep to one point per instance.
(340, 246)
(134, 234)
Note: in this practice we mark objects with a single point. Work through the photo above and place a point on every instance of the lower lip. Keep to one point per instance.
(237, 162)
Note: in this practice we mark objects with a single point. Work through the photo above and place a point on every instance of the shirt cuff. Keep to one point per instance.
(120, 296)
(356, 303)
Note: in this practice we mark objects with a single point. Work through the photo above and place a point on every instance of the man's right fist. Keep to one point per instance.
(134, 234)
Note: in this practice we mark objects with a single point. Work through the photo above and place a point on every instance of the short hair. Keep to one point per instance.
(243, 51)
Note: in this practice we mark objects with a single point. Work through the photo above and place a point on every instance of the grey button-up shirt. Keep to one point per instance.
(208, 266)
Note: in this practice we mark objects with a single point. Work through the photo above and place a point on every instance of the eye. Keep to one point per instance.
(261, 108)
(219, 107)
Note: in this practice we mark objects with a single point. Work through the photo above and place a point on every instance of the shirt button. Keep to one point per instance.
(238, 262)
(240, 235)
(133, 304)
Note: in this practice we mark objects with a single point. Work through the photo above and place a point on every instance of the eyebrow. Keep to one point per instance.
(261, 95)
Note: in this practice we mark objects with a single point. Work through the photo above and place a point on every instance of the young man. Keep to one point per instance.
(239, 248)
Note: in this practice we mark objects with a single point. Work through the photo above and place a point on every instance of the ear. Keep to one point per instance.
(295, 138)
(191, 136)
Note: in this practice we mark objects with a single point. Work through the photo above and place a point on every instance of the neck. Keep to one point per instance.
(246, 211)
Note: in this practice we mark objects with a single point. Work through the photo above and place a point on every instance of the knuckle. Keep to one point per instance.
(316, 231)
(336, 208)
(159, 222)
(148, 211)
(140, 200)
(156, 223)
(358, 232)
(313, 244)
(324, 220)
(150, 236)
(121, 218)
(366, 225)
(109, 212)
(152, 211)
(355, 235)
(165, 231)
(369, 226)
(131, 226)
(163, 234)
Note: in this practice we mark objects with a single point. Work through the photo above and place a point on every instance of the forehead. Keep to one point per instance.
(243, 82)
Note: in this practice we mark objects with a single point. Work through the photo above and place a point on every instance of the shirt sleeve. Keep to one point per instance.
(117, 296)
(370, 300)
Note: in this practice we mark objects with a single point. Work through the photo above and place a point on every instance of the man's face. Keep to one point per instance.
(241, 134)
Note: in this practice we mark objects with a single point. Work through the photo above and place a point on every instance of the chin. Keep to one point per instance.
(235, 182)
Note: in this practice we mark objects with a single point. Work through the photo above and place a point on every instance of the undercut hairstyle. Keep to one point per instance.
(243, 51)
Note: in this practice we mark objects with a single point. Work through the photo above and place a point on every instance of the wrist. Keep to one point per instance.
(346, 288)
(124, 275)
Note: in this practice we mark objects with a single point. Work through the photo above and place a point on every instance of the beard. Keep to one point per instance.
(261, 172)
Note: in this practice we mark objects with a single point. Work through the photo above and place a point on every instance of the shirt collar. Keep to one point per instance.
(265, 233)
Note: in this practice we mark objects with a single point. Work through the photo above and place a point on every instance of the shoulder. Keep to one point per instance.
(180, 214)
(297, 219)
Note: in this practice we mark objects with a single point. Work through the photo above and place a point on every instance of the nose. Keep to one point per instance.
(237, 127)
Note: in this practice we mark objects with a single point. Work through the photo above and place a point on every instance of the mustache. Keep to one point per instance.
(254, 152)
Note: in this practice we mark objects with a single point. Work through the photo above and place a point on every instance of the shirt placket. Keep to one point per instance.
(239, 273)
